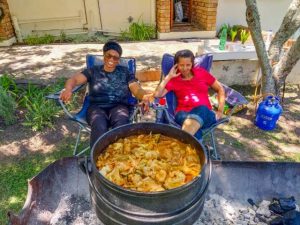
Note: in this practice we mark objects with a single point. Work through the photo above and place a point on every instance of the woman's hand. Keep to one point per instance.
(147, 98)
(219, 115)
(173, 72)
(65, 95)
(76, 79)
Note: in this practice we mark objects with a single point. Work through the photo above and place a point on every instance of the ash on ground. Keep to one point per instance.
(220, 211)
(76, 210)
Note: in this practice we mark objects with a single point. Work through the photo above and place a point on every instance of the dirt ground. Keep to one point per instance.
(240, 139)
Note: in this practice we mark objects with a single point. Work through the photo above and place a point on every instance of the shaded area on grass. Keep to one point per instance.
(15, 173)
(242, 140)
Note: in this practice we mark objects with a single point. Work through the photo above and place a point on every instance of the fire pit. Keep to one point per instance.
(60, 193)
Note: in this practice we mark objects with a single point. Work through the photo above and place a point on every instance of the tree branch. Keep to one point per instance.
(253, 21)
(287, 28)
(286, 64)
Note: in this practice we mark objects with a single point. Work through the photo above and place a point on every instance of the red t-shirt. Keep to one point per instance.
(194, 92)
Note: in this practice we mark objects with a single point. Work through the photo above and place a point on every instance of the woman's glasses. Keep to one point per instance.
(109, 56)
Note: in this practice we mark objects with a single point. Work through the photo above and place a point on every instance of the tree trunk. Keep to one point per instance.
(275, 68)
(288, 27)
(253, 20)
(286, 64)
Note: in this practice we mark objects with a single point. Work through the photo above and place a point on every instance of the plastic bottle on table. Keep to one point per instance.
(223, 39)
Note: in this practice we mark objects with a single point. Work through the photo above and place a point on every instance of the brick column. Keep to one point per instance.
(6, 27)
(163, 15)
(204, 14)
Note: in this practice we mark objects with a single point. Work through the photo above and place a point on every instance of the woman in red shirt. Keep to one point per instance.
(190, 86)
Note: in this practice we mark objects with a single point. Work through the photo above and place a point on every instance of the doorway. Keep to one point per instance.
(181, 15)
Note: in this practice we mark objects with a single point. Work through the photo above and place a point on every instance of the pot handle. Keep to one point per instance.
(209, 175)
(85, 165)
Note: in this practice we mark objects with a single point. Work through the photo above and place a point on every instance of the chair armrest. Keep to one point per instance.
(214, 126)
(55, 96)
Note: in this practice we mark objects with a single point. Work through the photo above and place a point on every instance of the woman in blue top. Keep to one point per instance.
(109, 87)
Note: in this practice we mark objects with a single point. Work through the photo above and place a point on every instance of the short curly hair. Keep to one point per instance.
(112, 45)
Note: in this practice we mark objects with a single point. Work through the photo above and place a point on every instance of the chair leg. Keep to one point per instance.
(83, 151)
(213, 143)
(77, 141)
(75, 153)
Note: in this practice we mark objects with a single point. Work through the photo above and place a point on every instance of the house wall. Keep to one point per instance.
(76, 16)
(115, 14)
(39, 16)
(271, 12)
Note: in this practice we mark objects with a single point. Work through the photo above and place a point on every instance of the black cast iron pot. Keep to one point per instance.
(116, 205)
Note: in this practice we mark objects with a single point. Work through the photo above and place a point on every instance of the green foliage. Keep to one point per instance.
(8, 83)
(96, 37)
(233, 32)
(244, 35)
(8, 95)
(7, 107)
(80, 38)
(224, 26)
(38, 40)
(27, 94)
(139, 31)
(62, 38)
(15, 174)
(40, 112)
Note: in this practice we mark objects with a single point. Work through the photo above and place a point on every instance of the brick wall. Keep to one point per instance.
(163, 15)
(203, 14)
(6, 27)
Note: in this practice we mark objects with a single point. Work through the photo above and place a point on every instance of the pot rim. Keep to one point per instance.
(154, 193)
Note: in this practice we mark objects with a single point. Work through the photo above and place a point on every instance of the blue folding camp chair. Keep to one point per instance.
(166, 113)
(80, 116)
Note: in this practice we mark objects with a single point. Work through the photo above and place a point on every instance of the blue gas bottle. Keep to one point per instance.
(268, 113)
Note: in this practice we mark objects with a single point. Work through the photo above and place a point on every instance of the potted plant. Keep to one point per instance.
(244, 35)
(233, 31)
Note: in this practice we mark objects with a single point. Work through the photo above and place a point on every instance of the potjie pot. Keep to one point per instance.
(116, 205)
